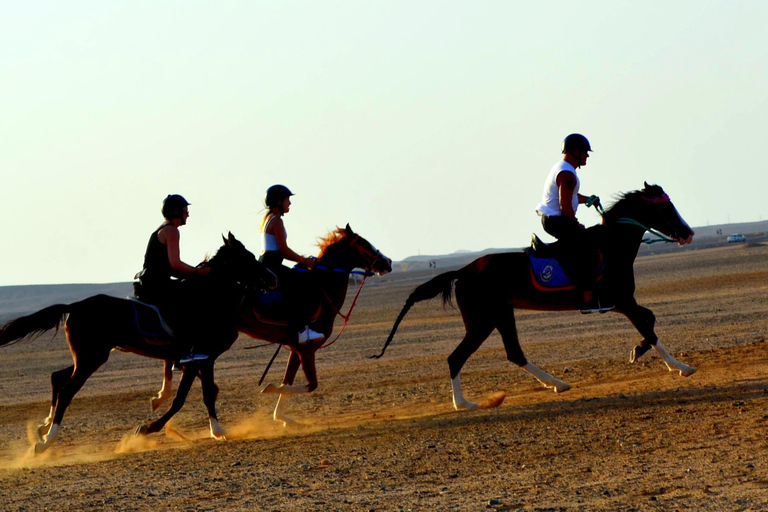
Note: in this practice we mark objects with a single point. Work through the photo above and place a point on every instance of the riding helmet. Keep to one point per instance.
(576, 142)
(173, 206)
(275, 195)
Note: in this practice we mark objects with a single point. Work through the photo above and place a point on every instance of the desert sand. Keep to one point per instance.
(383, 435)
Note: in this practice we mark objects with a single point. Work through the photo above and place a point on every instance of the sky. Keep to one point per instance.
(428, 126)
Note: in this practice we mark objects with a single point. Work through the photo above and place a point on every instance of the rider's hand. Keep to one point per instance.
(202, 270)
(309, 262)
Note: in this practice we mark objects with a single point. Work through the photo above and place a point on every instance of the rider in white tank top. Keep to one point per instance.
(550, 200)
(268, 240)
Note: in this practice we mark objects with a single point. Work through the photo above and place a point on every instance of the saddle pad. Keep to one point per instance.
(548, 275)
(149, 322)
(269, 308)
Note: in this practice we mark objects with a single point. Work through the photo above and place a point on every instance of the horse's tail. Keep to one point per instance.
(29, 326)
(442, 284)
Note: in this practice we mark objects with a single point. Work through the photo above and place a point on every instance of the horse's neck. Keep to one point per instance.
(335, 280)
(622, 241)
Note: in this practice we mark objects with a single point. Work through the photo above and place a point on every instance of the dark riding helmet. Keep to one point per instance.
(173, 206)
(275, 195)
(576, 142)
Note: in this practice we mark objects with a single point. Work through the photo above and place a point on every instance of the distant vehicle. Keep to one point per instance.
(735, 239)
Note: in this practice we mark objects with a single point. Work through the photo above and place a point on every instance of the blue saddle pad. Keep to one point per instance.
(548, 273)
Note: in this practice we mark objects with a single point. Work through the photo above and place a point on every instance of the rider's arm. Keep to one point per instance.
(170, 237)
(566, 183)
(278, 229)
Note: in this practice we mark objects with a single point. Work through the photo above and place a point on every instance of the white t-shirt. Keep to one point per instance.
(550, 200)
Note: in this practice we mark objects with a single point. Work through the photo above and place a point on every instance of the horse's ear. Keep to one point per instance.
(231, 237)
(645, 185)
(226, 242)
(349, 230)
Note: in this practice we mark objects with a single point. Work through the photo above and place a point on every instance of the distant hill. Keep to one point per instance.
(20, 300)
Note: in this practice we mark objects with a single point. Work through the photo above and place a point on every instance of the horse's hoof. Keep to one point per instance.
(562, 387)
(155, 403)
(270, 388)
(636, 352)
(141, 430)
(41, 431)
(39, 448)
(687, 371)
(286, 421)
(465, 406)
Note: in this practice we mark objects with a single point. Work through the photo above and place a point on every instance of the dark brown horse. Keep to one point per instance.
(98, 324)
(490, 288)
(341, 251)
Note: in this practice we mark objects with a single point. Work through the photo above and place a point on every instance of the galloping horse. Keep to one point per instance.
(98, 324)
(341, 251)
(491, 287)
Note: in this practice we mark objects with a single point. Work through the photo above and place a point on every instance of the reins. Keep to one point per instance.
(662, 237)
(595, 201)
(337, 311)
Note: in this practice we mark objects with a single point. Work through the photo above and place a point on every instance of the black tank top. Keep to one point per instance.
(157, 268)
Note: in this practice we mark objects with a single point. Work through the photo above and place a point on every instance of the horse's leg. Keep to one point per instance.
(294, 361)
(644, 321)
(210, 393)
(166, 389)
(304, 357)
(83, 369)
(187, 378)
(58, 379)
(508, 331)
(478, 327)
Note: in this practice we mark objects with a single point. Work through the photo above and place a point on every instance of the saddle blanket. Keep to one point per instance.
(548, 275)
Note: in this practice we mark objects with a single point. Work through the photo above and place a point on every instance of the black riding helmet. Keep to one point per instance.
(275, 195)
(173, 206)
(576, 142)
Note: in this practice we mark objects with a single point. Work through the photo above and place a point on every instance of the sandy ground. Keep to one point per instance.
(382, 435)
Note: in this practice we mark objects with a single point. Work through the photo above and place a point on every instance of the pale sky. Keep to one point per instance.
(429, 126)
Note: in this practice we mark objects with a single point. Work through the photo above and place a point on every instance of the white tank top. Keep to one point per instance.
(268, 241)
(550, 200)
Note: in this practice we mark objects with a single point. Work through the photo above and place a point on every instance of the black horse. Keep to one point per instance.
(490, 288)
(341, 250)
(98, 324)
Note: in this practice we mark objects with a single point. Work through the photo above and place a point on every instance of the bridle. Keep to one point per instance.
(373, 256)
(664, 198)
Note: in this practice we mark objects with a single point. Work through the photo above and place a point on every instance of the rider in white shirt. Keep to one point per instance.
(557, 209)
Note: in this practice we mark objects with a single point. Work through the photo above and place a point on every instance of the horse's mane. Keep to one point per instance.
(627, 200)
(331, 238)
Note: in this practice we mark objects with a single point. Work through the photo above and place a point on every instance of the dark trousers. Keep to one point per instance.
(194, 312)
(578, 251)
(301, 296)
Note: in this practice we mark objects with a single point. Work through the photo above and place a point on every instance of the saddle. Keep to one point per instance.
(149, 322)
(271, 308)
(547, 274)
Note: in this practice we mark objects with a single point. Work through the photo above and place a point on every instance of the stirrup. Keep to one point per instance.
(592, 308)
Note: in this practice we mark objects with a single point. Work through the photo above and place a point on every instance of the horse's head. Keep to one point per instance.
(652, 207)
(346, 249)
(239, 264)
